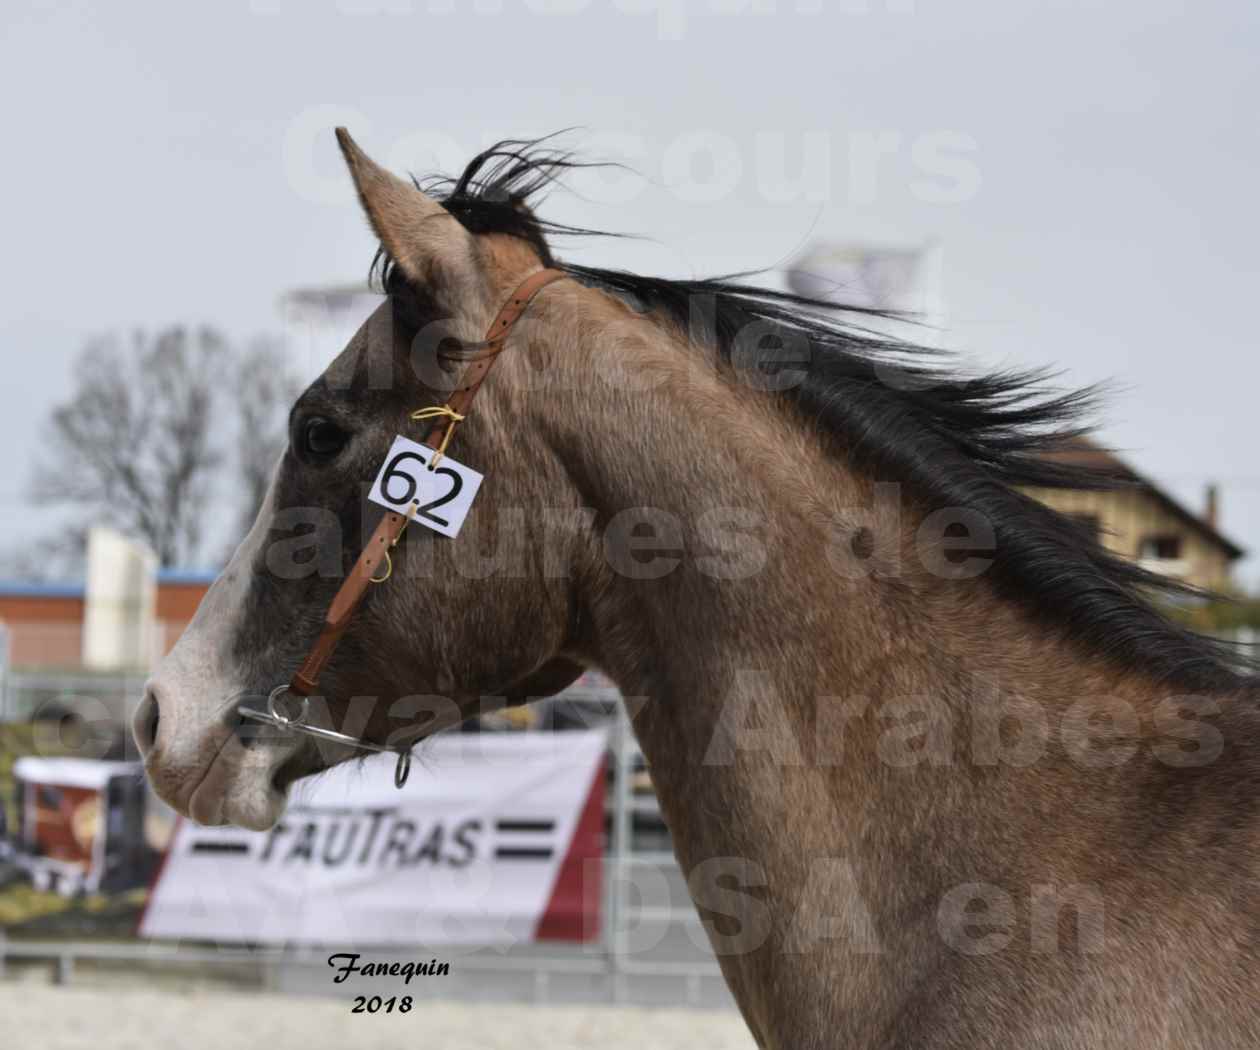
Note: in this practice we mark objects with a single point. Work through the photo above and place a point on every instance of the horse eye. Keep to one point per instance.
(322, 438)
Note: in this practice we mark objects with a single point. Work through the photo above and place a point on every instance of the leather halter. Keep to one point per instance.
(388, 532)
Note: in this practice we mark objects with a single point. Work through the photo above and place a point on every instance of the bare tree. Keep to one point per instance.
(61, 556)
(265, 388)
(133, 445)
(142, 441)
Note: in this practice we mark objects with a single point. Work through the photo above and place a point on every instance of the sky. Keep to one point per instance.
(1088, 171)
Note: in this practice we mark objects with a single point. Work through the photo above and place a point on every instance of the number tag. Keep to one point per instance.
(441, 496)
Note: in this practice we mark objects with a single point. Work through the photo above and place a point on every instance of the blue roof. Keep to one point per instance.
(70, 589)
(33, 589)
(187, 577)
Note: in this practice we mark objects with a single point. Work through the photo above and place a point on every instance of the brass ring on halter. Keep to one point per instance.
(403, 769)
(389, 569)
(281, 718)
(389, 561)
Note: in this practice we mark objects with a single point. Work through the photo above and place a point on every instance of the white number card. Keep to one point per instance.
(441, 496)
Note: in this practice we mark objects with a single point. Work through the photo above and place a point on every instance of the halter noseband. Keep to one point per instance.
(390, 530)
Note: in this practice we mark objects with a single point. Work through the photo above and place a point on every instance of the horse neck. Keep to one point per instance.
(761, 677)
(770, 700)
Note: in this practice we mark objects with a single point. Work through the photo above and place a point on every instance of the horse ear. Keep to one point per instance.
(416, 231)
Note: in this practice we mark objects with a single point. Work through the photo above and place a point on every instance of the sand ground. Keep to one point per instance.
(42, 1017)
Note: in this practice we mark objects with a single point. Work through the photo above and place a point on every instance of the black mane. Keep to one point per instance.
(905, 412)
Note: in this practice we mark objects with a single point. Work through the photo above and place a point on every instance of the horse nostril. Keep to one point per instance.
(246, 731)
(145, 725)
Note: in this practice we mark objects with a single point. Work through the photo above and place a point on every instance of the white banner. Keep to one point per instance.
(495, 839)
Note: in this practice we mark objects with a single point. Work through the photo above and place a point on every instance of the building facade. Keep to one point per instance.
(46, 623)
(1143, 523)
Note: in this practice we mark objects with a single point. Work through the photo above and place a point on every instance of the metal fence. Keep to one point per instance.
(104, 701)
(652, 948)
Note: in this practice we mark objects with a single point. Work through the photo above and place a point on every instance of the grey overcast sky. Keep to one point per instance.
(1089, 169)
